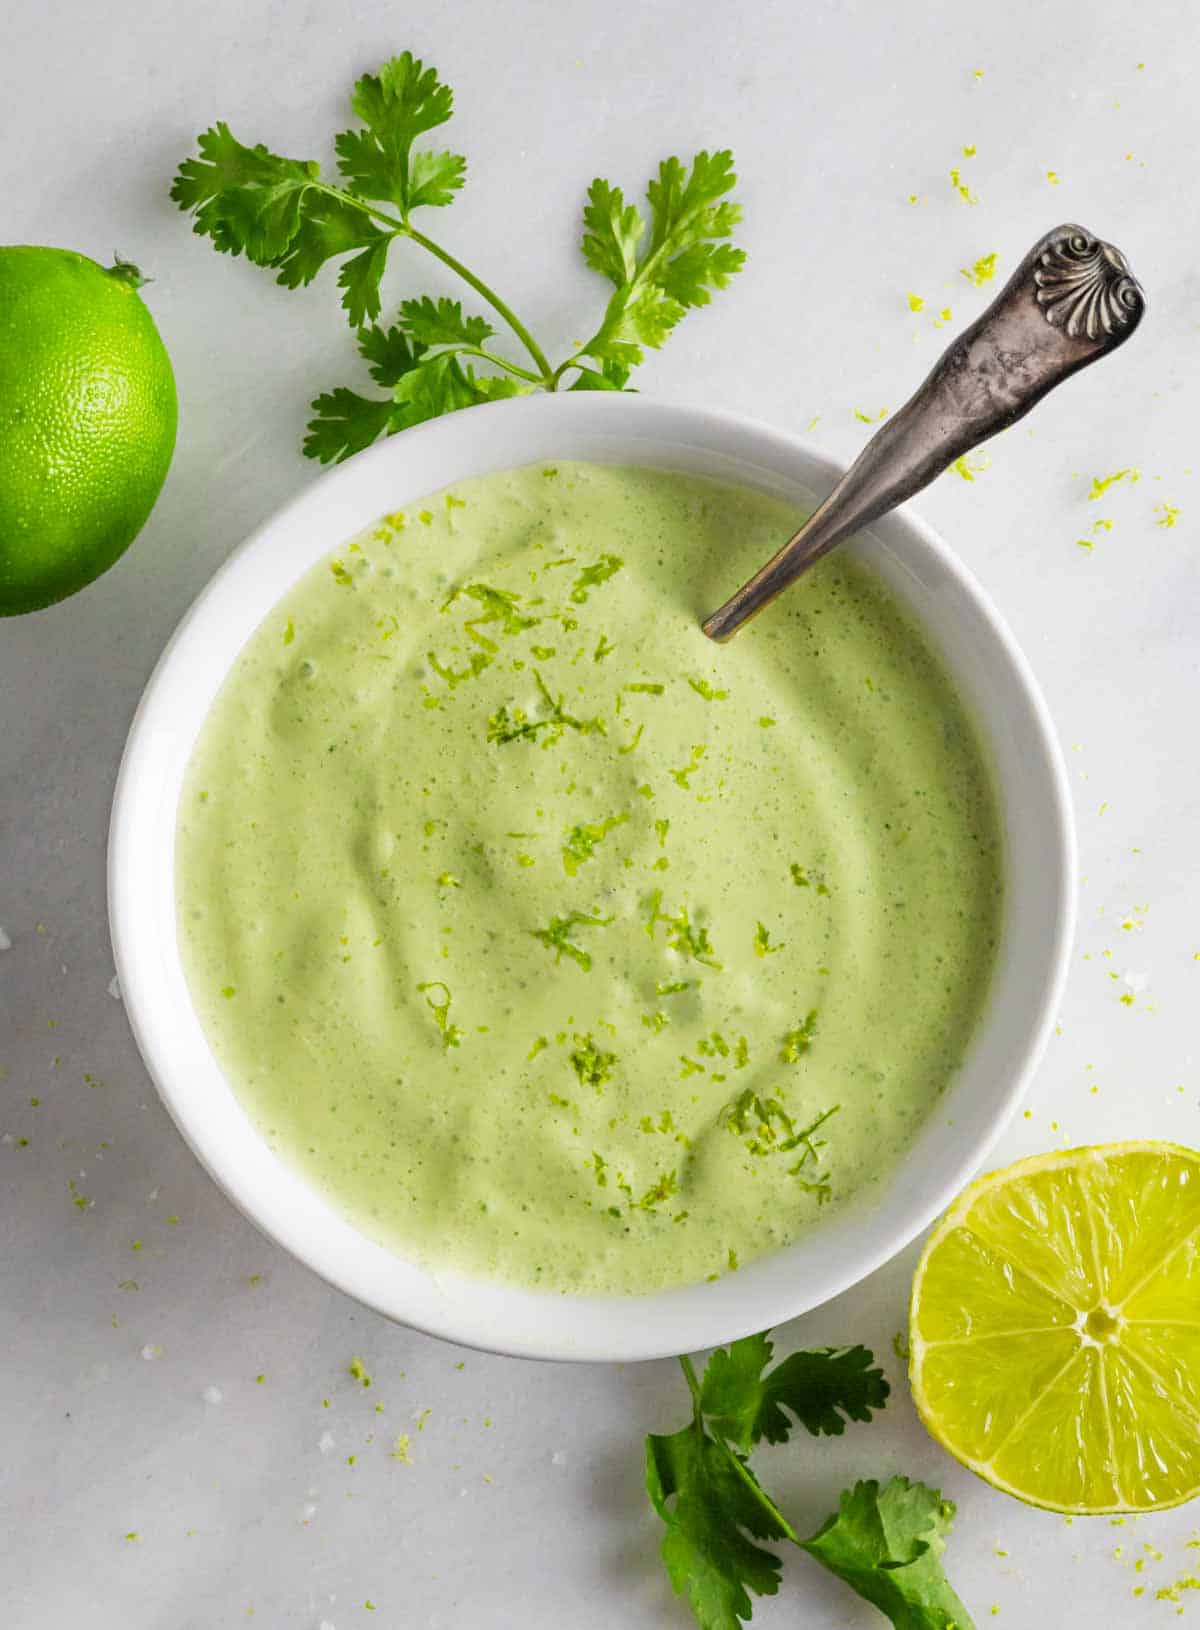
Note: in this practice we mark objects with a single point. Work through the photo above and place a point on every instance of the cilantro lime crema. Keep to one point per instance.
(552, 941)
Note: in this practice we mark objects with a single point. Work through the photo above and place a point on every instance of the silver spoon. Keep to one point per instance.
(1072, 300)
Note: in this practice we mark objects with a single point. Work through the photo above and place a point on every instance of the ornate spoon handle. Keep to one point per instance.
(1070, 301)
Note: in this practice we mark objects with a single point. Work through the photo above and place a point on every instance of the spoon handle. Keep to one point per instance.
(1070, 301)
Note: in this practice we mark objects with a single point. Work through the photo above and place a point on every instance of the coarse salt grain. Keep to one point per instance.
(5, 942)
(114, 988)
(151, 1352)
(212, 1395)
(325, 1442)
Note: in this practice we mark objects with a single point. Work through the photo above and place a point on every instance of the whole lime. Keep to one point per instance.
(87, 421)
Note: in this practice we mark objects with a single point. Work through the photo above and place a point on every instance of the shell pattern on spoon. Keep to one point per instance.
(1072, 300)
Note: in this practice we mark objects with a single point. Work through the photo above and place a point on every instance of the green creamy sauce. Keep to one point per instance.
(552, 941)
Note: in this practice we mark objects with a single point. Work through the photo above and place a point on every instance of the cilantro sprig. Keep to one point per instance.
(435, 357)
(884, 1541)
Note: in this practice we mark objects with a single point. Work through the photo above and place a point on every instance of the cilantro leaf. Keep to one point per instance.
(822, 1388)
(660, 275)
(345, 423)
(434, 178)
(440, 384)
(613, 231)
(705, 1550)
(281, 213)
(388, 353)
(359, 280)
(246, 199)
(886, 1543)
(328, 226)
(441, 322)
(611, 377)
(397, 105)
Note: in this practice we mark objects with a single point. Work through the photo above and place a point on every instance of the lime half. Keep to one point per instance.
(1055, 1328)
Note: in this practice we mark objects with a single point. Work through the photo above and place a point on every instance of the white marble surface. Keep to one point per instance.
(522, 1505)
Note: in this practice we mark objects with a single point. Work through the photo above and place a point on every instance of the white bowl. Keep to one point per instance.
(991, 674)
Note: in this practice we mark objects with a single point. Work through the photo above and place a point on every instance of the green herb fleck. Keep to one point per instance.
(358, 1370)
(504, 726)
(592, 576)
(476, 663)
(556, 937)
(762, 942)
(591, 1064)
(662, 1189)
(289, 633)
(797, 1042)
(603, 649)
(766, 1128)
(498, 606)
(703, 688)
(682, 934)
(682, 778)
(340, 575)
(451, 1034)
(580, 843)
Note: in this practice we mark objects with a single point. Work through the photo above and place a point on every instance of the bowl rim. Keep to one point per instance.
(490, 1315)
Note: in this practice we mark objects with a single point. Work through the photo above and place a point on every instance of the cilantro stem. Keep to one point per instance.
(403, 229)
(546, 372)
(496, 361)
(689, 1375)
(754, 1487)
(783, 1527)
